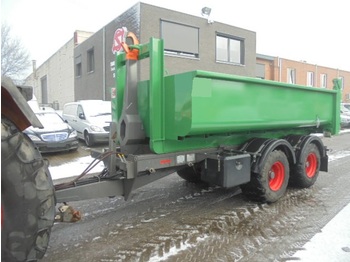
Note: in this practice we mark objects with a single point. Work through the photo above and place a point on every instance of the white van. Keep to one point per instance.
(344, 109)
(90, 118)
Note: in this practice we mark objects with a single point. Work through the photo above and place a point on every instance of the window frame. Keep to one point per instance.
(78, 70)
(291, 75)
(176, 45)
(44, 90)
(90, 60)
(323, 80)
(78, 66)
(342, 82)
(310, 78)
(229, 39)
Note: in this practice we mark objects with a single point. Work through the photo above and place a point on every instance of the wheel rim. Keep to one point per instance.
(311, 165)
(276, 176)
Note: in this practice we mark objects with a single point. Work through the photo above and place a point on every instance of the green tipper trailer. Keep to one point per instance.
(204, 109)
(209, 127)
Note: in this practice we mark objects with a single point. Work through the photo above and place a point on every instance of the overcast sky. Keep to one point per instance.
(313, 31)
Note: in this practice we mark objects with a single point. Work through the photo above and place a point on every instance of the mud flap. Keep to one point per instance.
(324, 163)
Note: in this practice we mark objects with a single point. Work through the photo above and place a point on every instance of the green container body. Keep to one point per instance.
(205, 109)
(201, 109)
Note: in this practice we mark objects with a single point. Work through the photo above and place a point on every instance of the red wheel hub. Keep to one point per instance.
(311, 165)
(276, 176)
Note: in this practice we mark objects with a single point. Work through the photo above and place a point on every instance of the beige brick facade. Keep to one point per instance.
(53, 81)
(302, 73)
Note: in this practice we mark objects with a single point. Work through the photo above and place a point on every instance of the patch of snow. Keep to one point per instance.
(148, 220)
(74, 168)
(332, 243)
(174, 250)
(338, 155)
(96, 238)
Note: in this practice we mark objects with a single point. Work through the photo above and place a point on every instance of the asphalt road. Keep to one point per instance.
(172, 220)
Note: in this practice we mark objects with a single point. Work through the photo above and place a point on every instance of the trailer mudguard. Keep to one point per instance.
(260, 148)
(299, 144)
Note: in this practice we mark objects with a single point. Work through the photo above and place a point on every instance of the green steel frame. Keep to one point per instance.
(201, 109)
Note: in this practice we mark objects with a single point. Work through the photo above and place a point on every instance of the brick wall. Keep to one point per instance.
(278, 69)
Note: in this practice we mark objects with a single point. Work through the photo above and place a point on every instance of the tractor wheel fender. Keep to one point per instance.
(14, 105)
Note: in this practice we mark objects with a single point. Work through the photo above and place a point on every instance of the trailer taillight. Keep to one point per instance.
(165, 161)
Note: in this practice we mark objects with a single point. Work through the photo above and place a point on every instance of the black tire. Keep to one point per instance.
(27, 197)
(88, 139)
(305, 172)
(271, 184)
(191, 174)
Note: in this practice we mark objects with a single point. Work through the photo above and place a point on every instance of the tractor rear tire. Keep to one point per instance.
(27, 197)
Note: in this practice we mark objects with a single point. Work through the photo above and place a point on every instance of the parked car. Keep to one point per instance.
(56, 135)
(344, 110)
(90, 118)
(346, 105)
(344, 116)
(344, 121)
(46, 108)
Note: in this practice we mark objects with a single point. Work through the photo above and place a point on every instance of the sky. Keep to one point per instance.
(313, 31)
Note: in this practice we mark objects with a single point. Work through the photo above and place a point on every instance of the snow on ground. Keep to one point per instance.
(174, 250)
(332, 244)
(74, 168)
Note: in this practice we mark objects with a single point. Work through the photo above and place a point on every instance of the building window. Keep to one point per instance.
(310, 79)
(90, 60)
(229, 49)
(44, 90)
(323, 80)
(78, 66)
(179, 39)
(291, 76)
(260, 70)
(342, 82)
(78, 69)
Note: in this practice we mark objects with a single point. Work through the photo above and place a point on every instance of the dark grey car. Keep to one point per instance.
(56, 135)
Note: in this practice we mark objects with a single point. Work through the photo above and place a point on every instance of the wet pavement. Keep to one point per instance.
(59, 158)
(173, 220)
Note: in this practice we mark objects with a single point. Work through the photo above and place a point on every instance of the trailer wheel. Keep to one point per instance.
(191, 174)
(305, 173)
(27, 197)
(271, 183)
